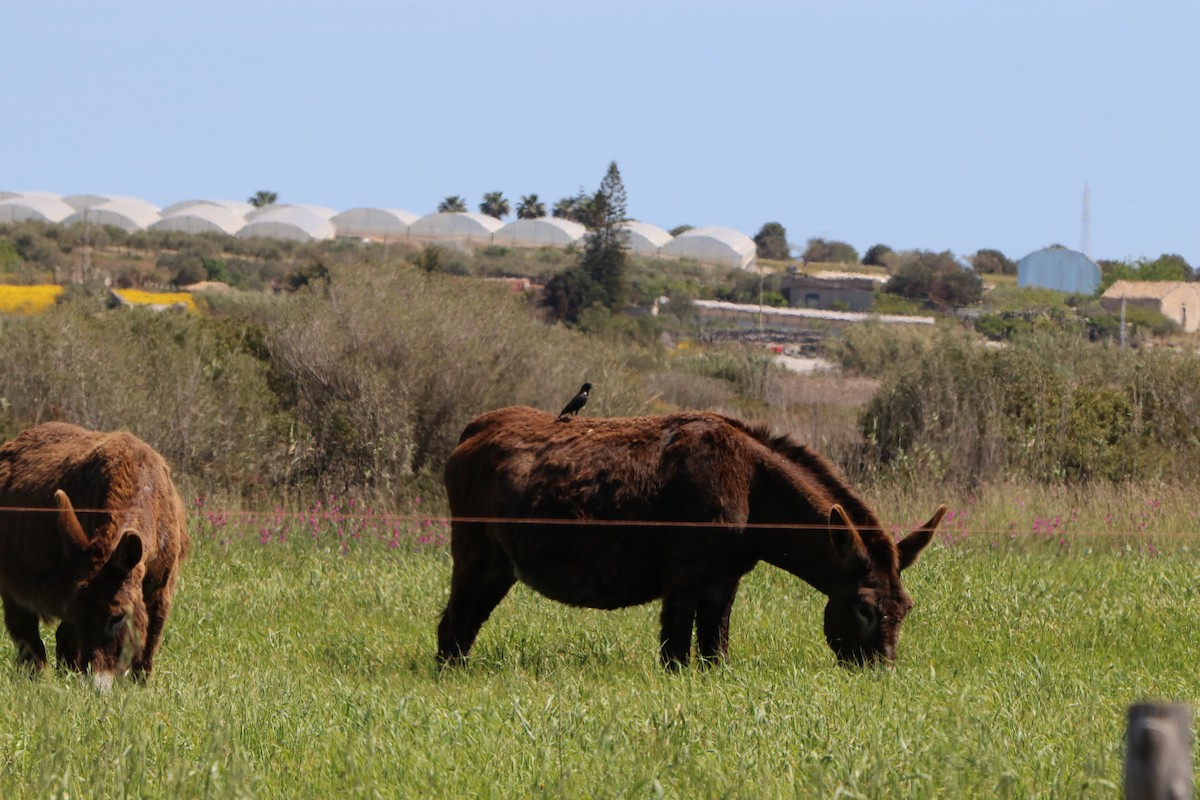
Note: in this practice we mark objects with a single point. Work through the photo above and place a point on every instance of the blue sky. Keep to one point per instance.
(946, 124)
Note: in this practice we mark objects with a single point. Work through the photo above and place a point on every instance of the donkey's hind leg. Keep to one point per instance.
(678, 618)
(481, 577)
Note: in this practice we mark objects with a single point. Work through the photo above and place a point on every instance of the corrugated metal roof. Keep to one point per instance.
(1060, 269)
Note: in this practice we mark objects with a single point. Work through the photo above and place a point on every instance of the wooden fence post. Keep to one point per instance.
(1158, 752)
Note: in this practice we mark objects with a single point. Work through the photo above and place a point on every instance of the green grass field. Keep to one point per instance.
(305, 669)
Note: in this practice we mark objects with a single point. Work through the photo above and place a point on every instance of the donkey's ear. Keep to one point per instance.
(912, 545)
(128, 551)
(848, 547)
(75, 541)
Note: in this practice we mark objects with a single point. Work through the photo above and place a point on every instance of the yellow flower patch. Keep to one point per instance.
(141, 298)
(27, 299)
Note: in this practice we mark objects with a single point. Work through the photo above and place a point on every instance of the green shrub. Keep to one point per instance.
(180, 382)
(1048, 407)
(936, 278)
(826, 251)
(748, 286)
(895, 304)
(876, 349)
(380, 369)
(745, 368)
(993, 262)
(10, 259)
(771, 242)
(876, 255)
(1025, 298)
(359, 382)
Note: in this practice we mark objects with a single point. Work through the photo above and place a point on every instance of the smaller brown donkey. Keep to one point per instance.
(607, 513)
(106, 571)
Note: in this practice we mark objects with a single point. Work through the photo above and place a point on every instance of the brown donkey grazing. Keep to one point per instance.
(107, 572)
(724, 482)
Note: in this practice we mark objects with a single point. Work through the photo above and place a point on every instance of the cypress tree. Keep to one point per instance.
(604, 256)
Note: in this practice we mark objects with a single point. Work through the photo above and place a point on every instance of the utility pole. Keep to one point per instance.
(760, 293)
(1085, 233)
(87, 255)
(1122, 322)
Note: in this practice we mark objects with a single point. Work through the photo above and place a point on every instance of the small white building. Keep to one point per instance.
(1176, 300)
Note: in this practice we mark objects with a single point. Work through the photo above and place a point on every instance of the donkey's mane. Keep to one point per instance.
(826, 475)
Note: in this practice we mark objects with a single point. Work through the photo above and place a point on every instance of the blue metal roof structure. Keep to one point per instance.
(1060, 269)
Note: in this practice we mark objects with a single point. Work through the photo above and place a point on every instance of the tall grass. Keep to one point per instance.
(304, 668)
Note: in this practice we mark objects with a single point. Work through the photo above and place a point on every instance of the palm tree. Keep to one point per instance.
(587, 210)
(583, 208)
(530, 207)
(565, 208)
(262, 198)
(494, 205)
(452, 203)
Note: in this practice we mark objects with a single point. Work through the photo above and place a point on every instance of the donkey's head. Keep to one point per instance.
(104, 626)
(867, 602)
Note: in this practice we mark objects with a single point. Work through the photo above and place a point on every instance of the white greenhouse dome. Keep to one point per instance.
(81, 201)
(38, 209)
(713, 244)
(646, 239)
(201, 218)
(238, 207)
(540, 232)
(374, 223)
(455, 226)
(262, 211)
(127, 214)
(289, 222)
(9, 195)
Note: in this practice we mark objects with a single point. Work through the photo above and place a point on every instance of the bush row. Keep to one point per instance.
(359, 383)
(1045, 406)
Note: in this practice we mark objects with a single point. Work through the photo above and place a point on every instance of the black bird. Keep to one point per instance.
(577, 402)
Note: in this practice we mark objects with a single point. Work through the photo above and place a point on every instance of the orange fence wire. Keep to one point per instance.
(225, 516)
